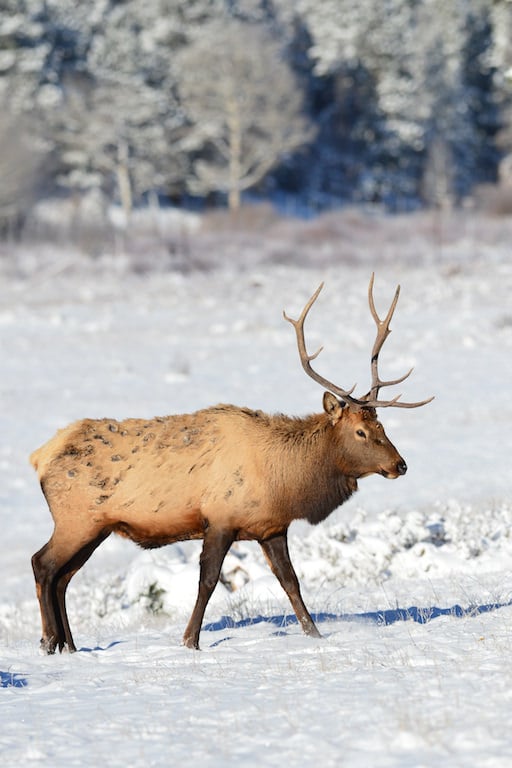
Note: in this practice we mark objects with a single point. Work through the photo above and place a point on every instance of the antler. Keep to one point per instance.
(383, 330)
(306, 359)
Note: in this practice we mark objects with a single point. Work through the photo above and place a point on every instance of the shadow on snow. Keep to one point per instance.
(86, 649)
(384, 618)
(15, 680)
(12, 680)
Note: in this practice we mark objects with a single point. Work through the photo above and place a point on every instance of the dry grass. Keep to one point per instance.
(257, 235)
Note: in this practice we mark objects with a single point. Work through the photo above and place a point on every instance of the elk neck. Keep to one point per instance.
(306, 477)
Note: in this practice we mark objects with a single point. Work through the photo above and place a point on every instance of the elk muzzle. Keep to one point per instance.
(399, 469)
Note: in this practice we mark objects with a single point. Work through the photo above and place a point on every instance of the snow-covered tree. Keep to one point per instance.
(415, 55)
(21, 164)
(119, 122)
(23, 52)
(130, 97)
(244, 104)
(500, 16)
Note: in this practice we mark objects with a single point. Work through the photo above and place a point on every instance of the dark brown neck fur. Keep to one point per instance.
(308, 484)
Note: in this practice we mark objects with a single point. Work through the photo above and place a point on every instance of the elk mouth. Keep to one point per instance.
(388, 475)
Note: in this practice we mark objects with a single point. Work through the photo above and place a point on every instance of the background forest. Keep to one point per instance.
(401, 103)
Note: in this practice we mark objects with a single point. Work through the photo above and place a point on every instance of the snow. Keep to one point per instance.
(410, 581)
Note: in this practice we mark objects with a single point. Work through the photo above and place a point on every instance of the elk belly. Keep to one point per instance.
(160, 526)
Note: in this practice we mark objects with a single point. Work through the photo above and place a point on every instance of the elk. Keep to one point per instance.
(220, 474)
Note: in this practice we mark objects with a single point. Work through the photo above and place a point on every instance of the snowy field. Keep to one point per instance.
(410, 581)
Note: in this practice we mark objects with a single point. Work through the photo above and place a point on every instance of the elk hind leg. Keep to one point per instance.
(52, 630)
(278, 556)
(64, 577)
(53, 566)
(215, 546)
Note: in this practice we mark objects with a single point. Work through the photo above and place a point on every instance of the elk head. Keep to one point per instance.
(363, 446)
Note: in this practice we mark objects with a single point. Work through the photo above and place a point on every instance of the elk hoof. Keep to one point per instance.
(189, 642)
(48, 646)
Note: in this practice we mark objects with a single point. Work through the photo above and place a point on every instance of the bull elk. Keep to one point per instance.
(221, 474)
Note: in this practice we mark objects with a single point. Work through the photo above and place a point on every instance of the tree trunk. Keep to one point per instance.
(123, 179)
(235, 154)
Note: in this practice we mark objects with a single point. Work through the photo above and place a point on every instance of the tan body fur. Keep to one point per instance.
(159, 481)
(225, 469)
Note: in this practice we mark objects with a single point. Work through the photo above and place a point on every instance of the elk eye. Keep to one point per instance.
(361, 433)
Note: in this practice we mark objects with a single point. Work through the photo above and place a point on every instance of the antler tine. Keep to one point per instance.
(397, 403)
(383, 331)
(306, 358)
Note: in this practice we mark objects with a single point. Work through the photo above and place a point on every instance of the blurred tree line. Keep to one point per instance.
(398, 102)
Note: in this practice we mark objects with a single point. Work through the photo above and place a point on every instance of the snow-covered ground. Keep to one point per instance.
(410, 580)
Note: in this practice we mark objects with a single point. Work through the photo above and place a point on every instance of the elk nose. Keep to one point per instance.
(401, 467)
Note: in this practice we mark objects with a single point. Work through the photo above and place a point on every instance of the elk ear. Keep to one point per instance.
(332, 407)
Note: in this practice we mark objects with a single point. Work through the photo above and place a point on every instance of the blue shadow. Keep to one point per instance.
(385, 618)
(85, 649)
(15, 680)
(12, 680)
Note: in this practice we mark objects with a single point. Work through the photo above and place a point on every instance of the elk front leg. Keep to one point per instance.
(215, 546)
(278, 556)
